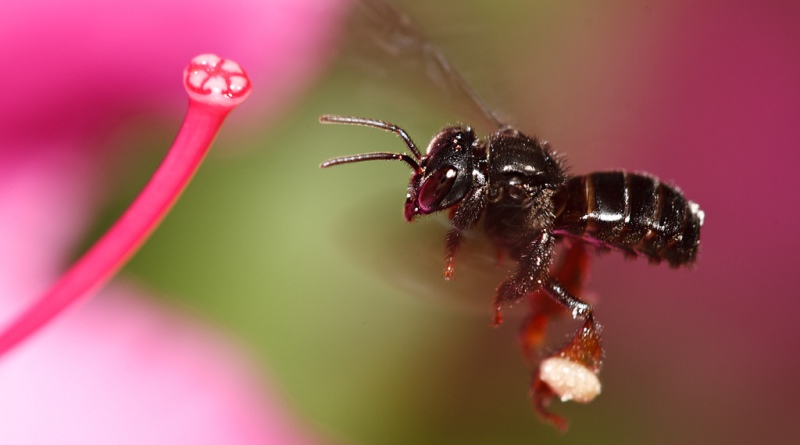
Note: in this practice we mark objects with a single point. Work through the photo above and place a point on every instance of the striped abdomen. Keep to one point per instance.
(633, 212)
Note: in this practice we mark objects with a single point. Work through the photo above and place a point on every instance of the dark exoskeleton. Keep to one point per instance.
(529, 202)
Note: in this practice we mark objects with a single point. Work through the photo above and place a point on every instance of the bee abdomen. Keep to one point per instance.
(634, 212)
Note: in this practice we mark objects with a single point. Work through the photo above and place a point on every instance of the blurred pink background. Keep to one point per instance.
(339, 304)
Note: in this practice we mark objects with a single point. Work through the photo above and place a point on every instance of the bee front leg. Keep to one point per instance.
(453, 241)
(464, 218)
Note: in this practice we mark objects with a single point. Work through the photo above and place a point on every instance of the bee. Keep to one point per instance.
(528, 203)
(520, 191)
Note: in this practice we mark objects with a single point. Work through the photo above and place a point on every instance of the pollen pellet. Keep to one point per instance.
(570, 380)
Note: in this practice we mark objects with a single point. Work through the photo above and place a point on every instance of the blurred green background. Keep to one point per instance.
(341, 302)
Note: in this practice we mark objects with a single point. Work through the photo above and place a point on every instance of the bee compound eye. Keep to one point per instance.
(435, 189)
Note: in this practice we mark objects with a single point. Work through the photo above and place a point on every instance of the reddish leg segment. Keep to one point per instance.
(582, 354)
(572, 273)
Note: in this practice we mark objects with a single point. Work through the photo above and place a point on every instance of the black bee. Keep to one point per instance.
(528, 203)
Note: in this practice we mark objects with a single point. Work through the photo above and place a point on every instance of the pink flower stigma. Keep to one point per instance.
(214, 80)
(215, 86)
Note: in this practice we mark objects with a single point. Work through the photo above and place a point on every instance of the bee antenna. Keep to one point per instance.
(374, 123)
(385, 156)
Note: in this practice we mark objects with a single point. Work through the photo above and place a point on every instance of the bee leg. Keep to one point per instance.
(569, 373)
(532, 272)
(572, 271)
(581, 356)
(453, 242)
(464, 218)
(579, 309)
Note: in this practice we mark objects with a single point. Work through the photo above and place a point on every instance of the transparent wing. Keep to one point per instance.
(384, 44)
(410, 258)
(385, 39)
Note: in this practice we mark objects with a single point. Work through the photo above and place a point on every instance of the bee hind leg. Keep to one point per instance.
(572, 271)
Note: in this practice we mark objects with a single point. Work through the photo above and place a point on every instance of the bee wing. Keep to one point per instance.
(411, 259)
(392, 42)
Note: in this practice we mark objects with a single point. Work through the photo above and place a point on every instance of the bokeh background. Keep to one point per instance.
(341, 303)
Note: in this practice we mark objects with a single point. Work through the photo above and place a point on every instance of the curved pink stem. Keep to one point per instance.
(215, 86)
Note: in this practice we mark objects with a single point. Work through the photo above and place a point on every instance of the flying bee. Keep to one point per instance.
(528, 203)
(520, 191)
